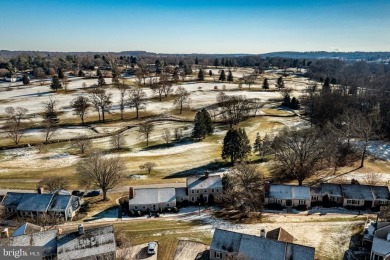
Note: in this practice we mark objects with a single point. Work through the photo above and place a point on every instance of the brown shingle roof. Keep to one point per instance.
(281, 235)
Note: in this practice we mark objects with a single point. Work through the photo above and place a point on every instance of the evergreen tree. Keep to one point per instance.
(222, 76)
(230, 76)
(26, 80)
(235, 145)
(265, 84)
(280, 83)
(60, 73)
(223, 62)
(101, 80)
(55, 83)
(196, 61)
(203, 125)
(81, 73)
(257, 145)
(216, 62)
(98, 73)
(227, 63)
(210, 73)
(326, 86)
(201, 74)
(294, 103)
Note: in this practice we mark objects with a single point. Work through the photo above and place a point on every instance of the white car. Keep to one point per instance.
(152, 248)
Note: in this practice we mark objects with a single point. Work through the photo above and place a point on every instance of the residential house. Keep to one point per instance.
(232, 245)
(153, 199)
(95, 243)
(38, 204)
(331, 194)
(45, 239)
(287, 195)
(365, 195)
(205, 186)
(377, 239)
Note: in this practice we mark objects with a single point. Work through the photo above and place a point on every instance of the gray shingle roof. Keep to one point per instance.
(94, 241)
(381, 246)
(12, 199)
(259, 248)
(211, 182)
(381, 192)
(281, 191)
(60, 203)
(38, 202)
(331, 189)
(153, 196)
(46, 239)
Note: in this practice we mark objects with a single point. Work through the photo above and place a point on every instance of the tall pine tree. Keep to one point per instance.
(203, 125)
(201, 74)
(55, 83)
(222, 76)
(230, 76)
(265, 84)
(236, 145)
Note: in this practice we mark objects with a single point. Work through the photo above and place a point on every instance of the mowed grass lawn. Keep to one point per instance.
(165, 232)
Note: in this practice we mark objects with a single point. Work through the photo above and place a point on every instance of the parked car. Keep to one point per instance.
(152, 246)
(78, 193)
(93, 193)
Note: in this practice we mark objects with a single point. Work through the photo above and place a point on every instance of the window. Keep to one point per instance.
(353, 202)
(279, 201)
(302, 202)
(205, 190)
(217, 255)
(193, 199)
(212, 190)
(197, 191)
(271, 200)
(135, 207)
(314, 197)
(383, 202)
(376, 257)
(143, 207)
(217, 190)
(192, 191)
(167, 204)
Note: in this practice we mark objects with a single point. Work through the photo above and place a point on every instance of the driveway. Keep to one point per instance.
(140, 252)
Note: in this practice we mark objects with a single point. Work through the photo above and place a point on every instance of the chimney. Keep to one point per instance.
(40, 190)
(59, 231)
(206, 174)
(262, 232)
(5, 233)
(131, 193)
(267, 186)
(81, 229)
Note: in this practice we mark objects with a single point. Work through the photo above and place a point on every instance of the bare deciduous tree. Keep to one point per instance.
(145, 129)
(100, 100)
(118, 141)
(234, 109)
(372, 178)
(50, 118)
(166, 136)
(101, 172)
(148, 166)
(54, 183)
(137, 99)
(178, 134)
(123, 89)
(14, 125)
(80, 106)
(82, 143)
(299, 153)
(182, 98)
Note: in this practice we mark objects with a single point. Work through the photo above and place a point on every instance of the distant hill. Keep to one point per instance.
(358, 55)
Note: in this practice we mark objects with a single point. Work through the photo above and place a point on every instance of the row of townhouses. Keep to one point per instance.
(204, 188)
(60, 204)
(353, 195)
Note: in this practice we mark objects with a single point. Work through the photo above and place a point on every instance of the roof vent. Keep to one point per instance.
(262, 232)
(81, 229)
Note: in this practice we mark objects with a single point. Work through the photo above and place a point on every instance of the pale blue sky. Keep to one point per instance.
(211, 26)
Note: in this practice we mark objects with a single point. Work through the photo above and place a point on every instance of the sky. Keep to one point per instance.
(197, 26)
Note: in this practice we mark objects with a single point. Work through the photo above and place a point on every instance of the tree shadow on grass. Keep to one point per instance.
(212, 166)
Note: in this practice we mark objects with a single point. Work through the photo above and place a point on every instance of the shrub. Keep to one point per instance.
(302, 207)
(274, 206)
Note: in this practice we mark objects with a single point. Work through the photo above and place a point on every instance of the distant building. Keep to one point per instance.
(37, 204)
(232, 245)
